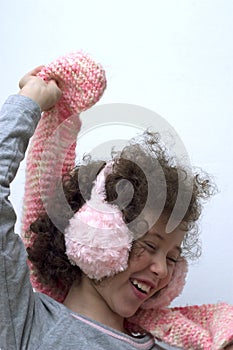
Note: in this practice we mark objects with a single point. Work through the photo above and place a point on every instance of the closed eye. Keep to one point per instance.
(151, 246)
(173, 260)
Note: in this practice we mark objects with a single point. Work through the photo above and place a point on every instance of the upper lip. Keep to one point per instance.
(145, 281)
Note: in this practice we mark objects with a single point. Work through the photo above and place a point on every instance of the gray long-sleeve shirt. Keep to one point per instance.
(30, 320)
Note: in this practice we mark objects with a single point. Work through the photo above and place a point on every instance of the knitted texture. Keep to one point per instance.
(52, 148)
(205, 327)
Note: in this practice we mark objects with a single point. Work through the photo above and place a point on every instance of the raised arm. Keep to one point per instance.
(18, 119)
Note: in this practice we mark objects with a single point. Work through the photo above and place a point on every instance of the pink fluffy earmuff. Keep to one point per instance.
(97, 239)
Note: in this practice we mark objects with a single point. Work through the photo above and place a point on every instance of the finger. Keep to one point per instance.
(53, 82)
(53, 86)
(36, 70)
(23, 81)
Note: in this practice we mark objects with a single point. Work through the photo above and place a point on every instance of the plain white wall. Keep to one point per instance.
(173, 57)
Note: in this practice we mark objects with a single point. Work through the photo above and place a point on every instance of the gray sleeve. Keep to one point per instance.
(18, 119)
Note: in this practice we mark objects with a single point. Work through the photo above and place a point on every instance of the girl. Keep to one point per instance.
(115, 268)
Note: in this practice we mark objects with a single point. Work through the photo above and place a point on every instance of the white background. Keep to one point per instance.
(173, 57)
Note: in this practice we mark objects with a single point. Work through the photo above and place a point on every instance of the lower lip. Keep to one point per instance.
(139, 295)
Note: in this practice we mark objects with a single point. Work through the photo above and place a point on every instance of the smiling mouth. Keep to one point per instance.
(142, 287)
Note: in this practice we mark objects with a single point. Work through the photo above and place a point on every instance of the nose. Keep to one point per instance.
(159, 266)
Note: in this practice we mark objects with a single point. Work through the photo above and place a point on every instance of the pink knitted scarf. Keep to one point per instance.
(82, 82)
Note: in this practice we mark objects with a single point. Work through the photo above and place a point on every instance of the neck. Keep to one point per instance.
(83, 298)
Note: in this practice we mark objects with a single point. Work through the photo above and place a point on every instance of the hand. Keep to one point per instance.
(45, 94)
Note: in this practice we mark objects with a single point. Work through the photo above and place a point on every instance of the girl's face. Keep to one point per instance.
(150, 269)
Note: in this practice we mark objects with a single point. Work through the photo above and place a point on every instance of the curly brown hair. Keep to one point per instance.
(141, 169)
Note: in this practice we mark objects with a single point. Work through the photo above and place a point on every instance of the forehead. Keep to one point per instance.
(151, 220)
(158, 231)
(150, 224)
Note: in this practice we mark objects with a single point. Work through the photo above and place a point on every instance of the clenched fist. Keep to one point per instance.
(45, 94)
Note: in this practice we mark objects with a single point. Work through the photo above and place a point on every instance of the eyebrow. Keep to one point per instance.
(162, 239)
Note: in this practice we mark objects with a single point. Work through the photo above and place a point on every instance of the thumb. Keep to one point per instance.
(24, 80)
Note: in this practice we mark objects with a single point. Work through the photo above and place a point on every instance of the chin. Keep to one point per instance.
(127, 313)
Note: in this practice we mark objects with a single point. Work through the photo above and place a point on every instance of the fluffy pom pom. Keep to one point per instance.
(98, 241)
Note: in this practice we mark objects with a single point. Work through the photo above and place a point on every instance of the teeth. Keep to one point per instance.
(144, 287)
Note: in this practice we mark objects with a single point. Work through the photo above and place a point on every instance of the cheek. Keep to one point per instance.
(136, 252)
(164, 282)
(138, 261)
(139, 255)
